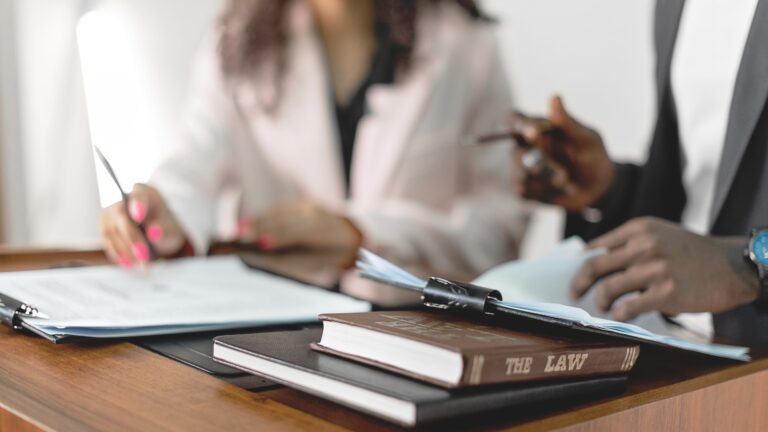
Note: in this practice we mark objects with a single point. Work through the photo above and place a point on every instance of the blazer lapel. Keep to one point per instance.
(749, 97)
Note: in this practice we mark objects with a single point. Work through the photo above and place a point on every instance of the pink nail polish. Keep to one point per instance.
(125, 262)
(265, 242)
(138, 211)
(141, 252)
(243, 225)
(154, 233)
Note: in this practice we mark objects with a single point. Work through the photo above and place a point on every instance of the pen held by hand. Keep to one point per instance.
(534, 160)
(126, 199)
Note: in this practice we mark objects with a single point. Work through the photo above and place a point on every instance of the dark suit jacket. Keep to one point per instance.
(741, 193)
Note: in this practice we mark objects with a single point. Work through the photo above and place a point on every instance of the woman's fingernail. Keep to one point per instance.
(265, 242)
(243, 226)
(154, 233)
(138, 211)
(125, 262)
(141, 252)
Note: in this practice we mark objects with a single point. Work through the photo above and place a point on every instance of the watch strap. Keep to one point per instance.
(762, 273)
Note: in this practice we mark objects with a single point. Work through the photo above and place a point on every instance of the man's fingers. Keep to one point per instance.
(531, 132)
(615, 238)
(635, 228)
(648, 301)
(558, 115)
(539, 189)
(518, 172)
(540, 182)
(637, 278)
(601, 266)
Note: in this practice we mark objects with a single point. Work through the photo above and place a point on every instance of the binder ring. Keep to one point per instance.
(445, 294)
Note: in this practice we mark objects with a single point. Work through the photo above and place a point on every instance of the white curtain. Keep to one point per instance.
(53, 188)
(51, 194)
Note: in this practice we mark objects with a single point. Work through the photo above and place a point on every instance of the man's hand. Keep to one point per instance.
(301, 224)
(672, 270)
(581, 170)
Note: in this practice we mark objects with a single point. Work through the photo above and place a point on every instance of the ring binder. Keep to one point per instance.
(446, 294)
(12, 311)
(468, 298)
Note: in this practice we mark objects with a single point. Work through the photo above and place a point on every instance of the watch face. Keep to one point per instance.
(760, 248)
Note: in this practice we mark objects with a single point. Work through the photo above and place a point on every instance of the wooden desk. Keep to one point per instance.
(119, 386)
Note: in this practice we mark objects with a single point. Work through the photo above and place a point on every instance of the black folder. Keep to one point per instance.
(286, 357)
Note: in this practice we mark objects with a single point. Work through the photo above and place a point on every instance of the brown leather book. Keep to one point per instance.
(450, 352)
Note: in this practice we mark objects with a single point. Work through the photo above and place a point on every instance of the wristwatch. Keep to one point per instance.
(757, 253)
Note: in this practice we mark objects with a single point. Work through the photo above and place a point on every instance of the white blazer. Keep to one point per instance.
(419, 194)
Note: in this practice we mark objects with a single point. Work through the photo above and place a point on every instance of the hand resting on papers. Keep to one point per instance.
(288, 225)
(301, 224)
(672, 269)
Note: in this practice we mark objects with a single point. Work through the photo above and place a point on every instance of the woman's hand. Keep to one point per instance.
(301, 223)
(122, 239)
(581, 171)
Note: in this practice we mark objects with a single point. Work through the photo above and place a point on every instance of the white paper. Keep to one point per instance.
(548, 279)
(180, 295)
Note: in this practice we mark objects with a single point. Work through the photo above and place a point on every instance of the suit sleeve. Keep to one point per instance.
(615, 207)
(485, 223)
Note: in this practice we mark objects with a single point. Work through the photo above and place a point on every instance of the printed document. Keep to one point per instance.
(191, 294)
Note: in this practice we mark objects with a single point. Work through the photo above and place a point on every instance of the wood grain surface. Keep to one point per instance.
(119, 386)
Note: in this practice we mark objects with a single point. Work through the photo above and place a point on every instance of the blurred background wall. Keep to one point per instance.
(595, 53)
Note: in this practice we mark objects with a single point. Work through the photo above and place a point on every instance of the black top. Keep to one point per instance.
(382, 71)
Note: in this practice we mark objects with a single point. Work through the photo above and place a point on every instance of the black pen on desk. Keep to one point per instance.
(124, 196)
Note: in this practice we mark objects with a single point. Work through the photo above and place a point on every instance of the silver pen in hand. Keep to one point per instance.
(140, 225)
(535, 161)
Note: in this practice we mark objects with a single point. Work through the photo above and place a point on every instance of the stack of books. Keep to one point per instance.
(415, 367)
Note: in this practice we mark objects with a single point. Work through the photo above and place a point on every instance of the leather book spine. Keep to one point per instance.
(499, 367)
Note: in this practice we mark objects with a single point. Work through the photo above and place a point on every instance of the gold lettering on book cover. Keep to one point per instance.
(518, 365)
(565, 362)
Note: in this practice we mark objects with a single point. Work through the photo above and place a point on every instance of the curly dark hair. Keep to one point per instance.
(254, 34)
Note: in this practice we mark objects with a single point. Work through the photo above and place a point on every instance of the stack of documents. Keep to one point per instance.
(187, 295)
(540, 287)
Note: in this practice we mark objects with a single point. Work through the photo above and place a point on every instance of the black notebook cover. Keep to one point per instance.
(288, 354)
